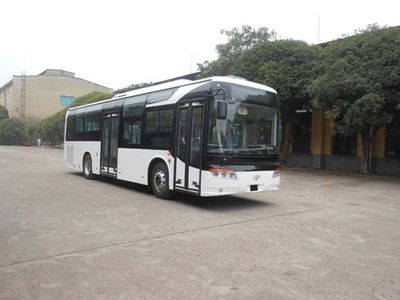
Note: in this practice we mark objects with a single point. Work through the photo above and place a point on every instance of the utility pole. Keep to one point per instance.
(191, 63)
(23, 95)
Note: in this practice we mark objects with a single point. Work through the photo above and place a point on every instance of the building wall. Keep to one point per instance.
(7, 96)
(42, 93)
(320, 156)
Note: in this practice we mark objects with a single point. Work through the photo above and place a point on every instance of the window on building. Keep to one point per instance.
(302, 132)
(345, 145)
(66, 100)
(392, 147)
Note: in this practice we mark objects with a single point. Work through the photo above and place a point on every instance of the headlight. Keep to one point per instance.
(223, 173)
(277, 172)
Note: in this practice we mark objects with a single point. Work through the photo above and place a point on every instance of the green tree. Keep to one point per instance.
(3, 113)
(240, 42)
(359, 84)
(286, 65)
(289, 67)
(12, 132)
(32, 127)
(51, 129)
(134, 86)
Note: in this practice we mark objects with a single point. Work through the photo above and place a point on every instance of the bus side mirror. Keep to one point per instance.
(222, 109)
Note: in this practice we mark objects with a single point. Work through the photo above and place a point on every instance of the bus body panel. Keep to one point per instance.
(180, 173)
(133, 164)
(212, 185)
(182, 91)
(75, 150)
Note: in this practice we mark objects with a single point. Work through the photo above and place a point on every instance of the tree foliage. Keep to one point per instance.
(257, 55)
(134, 86)
(3, 113)
(355, 79)
(12, 132)
(16, 131)
(52, 128)
(359, 83)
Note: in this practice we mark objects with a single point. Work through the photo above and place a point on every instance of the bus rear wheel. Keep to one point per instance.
(159, 181)
(87, 167)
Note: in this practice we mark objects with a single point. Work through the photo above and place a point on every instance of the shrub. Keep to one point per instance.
(52, 128)
(12, 132)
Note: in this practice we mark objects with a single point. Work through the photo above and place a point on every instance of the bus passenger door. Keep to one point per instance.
(189, 146)
(109, 144)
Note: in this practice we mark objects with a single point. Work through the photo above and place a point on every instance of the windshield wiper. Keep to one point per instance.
(233, 154)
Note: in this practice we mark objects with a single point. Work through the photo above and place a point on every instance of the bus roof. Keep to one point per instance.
(179, 83)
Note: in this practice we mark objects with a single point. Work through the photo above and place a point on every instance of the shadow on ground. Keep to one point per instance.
(222, 203)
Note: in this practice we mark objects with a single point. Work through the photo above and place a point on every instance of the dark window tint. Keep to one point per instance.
(70, 126)
(132, 132)
(134, 106)
(132, 121)
(345, 145)
(152, 122)
(302, 132)
(79, 124)
(165, 120)
(92, 123)
(183, 116)
(114, 142)
(105, 141)
(392, 148)
(196, 136)
(160, 95)
(113, 105)
(159, 126)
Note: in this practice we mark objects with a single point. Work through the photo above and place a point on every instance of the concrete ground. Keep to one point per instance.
(320, 236)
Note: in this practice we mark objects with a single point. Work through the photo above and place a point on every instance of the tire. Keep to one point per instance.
(87, 167)
(159, 181)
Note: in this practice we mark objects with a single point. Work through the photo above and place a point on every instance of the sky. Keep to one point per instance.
(117, 43)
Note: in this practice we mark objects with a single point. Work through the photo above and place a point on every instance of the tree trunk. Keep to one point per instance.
(367, 137)
(286, 140)
(366, 152)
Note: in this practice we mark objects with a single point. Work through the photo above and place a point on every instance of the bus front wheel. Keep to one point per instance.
(87, 167)
(159, 181)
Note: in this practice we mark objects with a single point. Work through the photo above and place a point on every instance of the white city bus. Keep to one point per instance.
(209, 137)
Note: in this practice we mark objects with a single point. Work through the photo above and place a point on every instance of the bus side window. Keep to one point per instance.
(132, 132)
(92, 123)
(70, 127)
(79, 125)
(159, 127)
(133, 111)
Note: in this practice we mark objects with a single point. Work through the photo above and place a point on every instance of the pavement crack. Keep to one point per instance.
(161, 236)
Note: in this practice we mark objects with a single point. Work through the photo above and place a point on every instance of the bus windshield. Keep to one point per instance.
(251, 122)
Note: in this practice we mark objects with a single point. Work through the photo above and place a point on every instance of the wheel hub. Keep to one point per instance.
(160, 182)
(87, 167)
